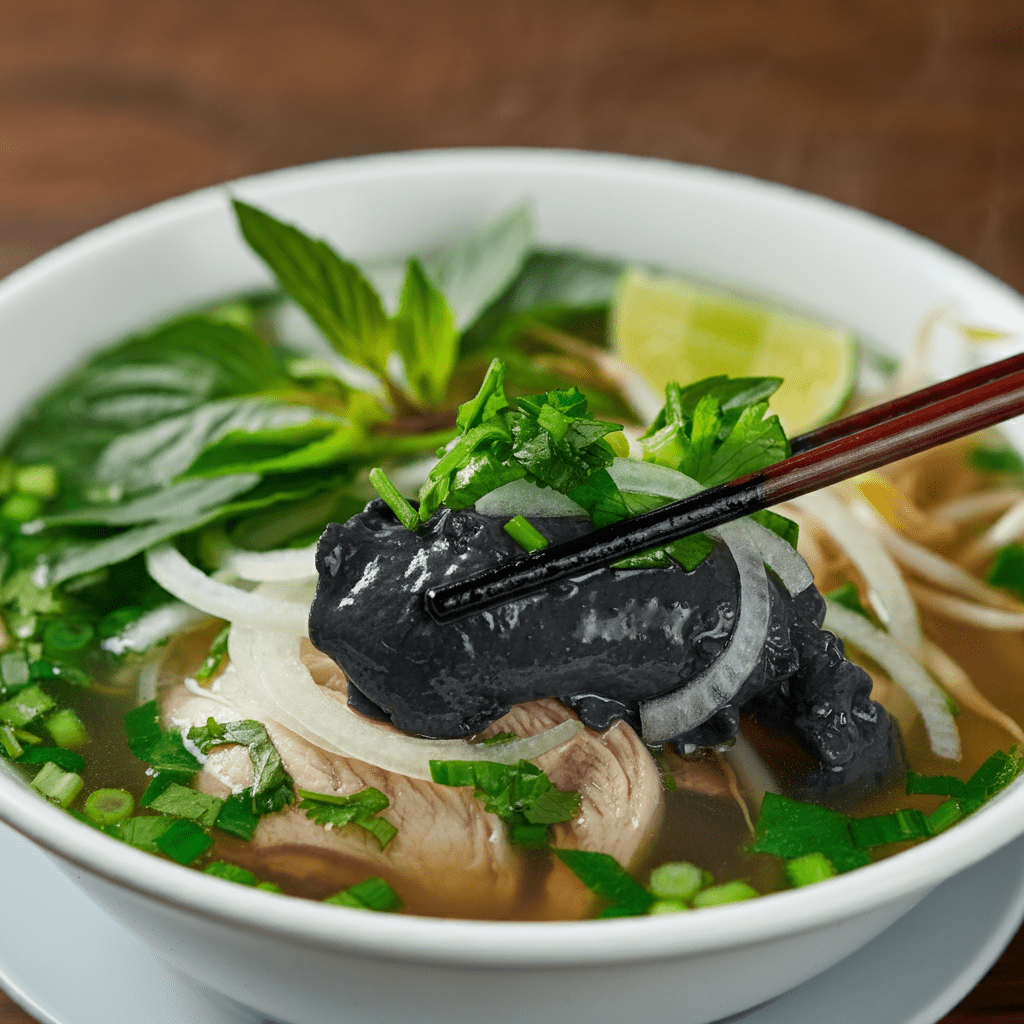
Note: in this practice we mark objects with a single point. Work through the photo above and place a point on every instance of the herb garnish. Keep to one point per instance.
(520, 794)
(360, 809)
(272, 786)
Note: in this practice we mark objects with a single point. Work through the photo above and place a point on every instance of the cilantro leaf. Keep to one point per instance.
(520, 794)
(607, 878)
(790, 828)
(162, 750)
(360, 809)
(272, 786)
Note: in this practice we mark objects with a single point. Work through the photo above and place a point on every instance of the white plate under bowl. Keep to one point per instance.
(919, 968)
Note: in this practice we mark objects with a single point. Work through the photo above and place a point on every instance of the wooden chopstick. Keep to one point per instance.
(904, 404)
(965, 404)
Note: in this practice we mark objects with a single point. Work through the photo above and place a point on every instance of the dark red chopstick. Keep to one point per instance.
(904, 404)
(959, 411)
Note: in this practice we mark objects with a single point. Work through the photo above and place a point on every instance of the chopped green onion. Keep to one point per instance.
(230, 872)
(371, 894)
(109, 806)
(808, 869)
(728, 892)
(25, 706)
(45, 670)
(215, 659)
(184, 841)
(67, 760)
(678, 880)
(63, 635)
(407, 515)
(67, 729)
(790, 828)
(665, 907)
(56, 785)
(889, 828)
(525, 534)
(9, 741)
(21, 508)
(269, 887)
(40, 480)
(935, 785)
(14, 668)
(946, 814)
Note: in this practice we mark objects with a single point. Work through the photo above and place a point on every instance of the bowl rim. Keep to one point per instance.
(508, 944)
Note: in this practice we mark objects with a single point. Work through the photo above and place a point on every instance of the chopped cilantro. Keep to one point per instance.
(371, 894)
(272, 786)
(237, 816)
(25, 706)
(789, 828)
(1007, 570)
(215, 659)
(164, 751)
(360, 809)
(607, 878)
(184, 841)
(142, 831)
(184, 802)
(230, 872)
(520, 794)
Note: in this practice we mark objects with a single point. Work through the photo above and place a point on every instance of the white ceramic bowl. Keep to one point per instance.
(306, 963)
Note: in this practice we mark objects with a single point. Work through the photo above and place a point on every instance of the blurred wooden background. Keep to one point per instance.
(911, 110)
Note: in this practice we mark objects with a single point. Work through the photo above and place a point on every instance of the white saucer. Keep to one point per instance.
(81, 967)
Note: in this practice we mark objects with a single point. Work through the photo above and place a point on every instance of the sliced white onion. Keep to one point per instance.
(958, 684)
(968, 611)
(978, 506)
(925, 562)
(787, 564)
(905, 671)
(523, 498)
(278, 681)
(687, 707)
(181, 578)
(887, 592)
(272, 566)
(154, 626)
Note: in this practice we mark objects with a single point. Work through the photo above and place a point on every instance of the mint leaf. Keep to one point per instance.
(476, 269)
(333, 291)
(425, 338)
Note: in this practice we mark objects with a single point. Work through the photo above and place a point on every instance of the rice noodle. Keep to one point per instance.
(275, 679)
(887, 592)
(959, 686)
(952, 607)
(925, 562)
(905, 671)
(181, 578)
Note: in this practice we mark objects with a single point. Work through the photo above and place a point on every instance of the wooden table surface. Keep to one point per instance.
(911, 110)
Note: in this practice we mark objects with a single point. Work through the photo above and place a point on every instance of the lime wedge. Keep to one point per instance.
(672, 329)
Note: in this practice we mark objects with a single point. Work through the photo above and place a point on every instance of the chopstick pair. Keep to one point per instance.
(866, 440)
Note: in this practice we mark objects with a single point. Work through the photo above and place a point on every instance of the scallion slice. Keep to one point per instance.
(57, 785)
(109, 806)
(525, 534)
(407, 515)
